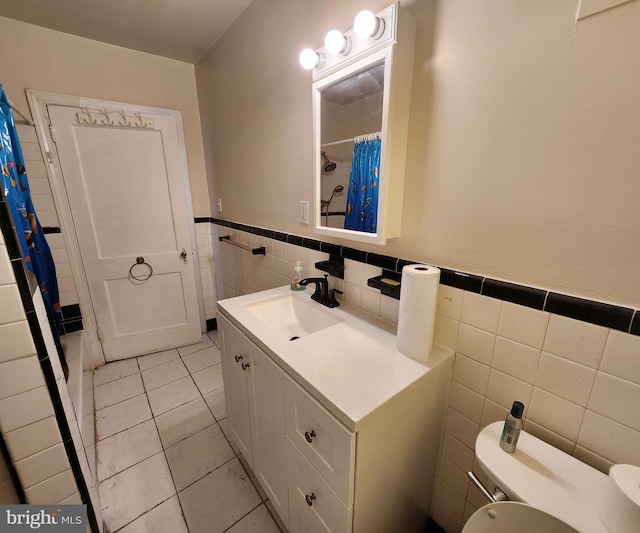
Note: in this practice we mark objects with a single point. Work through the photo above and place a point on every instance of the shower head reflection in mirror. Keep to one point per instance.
(324, 204)
(327, 165)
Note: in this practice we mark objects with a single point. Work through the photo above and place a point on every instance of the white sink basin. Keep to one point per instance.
(292, 315)
(506, 517)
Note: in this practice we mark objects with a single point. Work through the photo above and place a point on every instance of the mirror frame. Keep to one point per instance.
(354, 68)
(396, 49)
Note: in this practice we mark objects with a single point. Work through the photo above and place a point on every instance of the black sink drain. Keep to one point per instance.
(294, 338)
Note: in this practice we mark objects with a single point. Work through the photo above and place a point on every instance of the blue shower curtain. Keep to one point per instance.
(15, 188)
(362, 197)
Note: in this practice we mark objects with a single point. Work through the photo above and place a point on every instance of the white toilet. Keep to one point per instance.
(507, 517)
(553, 491)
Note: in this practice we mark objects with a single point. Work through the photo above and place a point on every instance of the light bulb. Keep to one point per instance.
(336, 43)
(366, 24)
(309, 59)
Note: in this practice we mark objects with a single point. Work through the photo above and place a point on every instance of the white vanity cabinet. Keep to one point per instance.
(236, 361)
(321, 453)
(341, 430)
(254, 393)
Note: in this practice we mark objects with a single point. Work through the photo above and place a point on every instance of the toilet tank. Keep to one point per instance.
(543, 476)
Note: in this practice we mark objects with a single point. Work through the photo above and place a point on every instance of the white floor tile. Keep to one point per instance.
(205, 342)
(216, 402)
(121, 416)
(196, 456)
(138, 491)
(172, 395)
(120, 451)
(154, 359)
(224, 426)
(165, 518)
(162, 374)
(209, 379)
(114, 370)
(202, 359)
(183, 421)
(214, 336)
(257, 520)
(117, 391)
(131, 493)
(219, 499)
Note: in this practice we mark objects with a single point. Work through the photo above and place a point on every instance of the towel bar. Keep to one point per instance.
(260, 250)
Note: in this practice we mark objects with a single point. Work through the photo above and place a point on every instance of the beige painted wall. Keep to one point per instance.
(523, 162)
(36, 58)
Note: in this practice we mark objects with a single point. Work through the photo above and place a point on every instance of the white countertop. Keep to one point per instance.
(352, 367)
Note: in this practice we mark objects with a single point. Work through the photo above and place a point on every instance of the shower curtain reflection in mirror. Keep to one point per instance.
(362, 198)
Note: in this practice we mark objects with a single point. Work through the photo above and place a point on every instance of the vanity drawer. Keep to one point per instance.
(313, 506)
(322, 439)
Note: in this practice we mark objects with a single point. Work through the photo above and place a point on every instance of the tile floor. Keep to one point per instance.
(164, 461)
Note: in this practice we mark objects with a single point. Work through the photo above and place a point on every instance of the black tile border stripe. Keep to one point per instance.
(514, 293)
(50, 229)
(602, 314)
(610, 316)
(461, 280)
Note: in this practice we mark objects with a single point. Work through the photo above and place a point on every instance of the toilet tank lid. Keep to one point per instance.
(545, 477)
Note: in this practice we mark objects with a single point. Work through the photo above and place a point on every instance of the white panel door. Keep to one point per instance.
(126, 190)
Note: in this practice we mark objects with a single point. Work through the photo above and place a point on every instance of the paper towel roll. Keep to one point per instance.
(620, 504)
(417, 315)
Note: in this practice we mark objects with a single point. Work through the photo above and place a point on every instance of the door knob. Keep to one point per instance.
(183, 255)
(309, 436)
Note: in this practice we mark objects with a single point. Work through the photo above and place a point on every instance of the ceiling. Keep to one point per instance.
(179, 29)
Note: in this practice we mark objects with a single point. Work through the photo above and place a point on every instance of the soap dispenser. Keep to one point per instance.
(297, 276)
(512, 428)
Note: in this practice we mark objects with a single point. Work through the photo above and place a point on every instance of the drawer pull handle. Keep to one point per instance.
(238, 358)
(309, 436)
(245, 366)
(309, 499)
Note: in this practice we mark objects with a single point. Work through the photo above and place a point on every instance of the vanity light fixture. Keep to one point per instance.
(310, 59)
(371, 32)
(366, 24)
(337, 43)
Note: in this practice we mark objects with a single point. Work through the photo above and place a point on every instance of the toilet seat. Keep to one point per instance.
(507, 517)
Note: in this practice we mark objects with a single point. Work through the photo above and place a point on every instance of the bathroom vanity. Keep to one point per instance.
(341, 430)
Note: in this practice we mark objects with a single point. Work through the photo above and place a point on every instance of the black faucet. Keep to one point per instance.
(322, 294)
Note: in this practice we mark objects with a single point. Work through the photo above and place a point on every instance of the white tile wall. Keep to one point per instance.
(8, 493)
(6, 272)
(66, 285)
(38, 181)
(42, 465)
(204, 241)
(26, 411)
(579, 382)
(33, 438)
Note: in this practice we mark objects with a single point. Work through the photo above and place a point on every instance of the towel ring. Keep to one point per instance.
(141, 261)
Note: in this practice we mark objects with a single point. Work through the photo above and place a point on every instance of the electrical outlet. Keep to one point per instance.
(219, 204)
(304, 212)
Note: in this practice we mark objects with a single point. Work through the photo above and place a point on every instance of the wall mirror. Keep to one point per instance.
(361, 112)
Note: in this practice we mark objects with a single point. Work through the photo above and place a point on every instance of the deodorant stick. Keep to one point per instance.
(512, 427)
